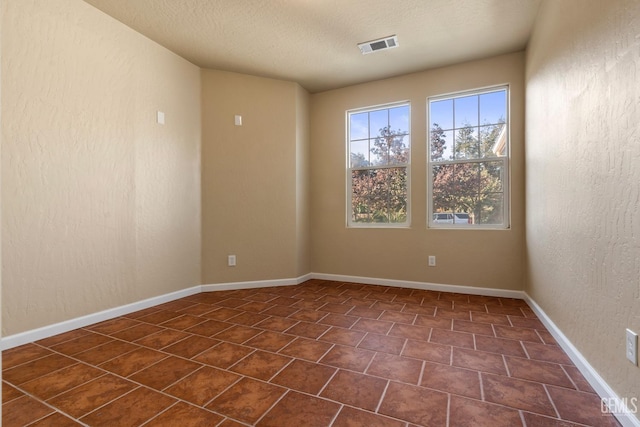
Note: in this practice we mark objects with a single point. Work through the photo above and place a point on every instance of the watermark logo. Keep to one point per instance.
(619, 406)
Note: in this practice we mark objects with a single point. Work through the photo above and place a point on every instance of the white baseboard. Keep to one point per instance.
(89, 319)
(591, 375)
(256, 284)
(490, 292)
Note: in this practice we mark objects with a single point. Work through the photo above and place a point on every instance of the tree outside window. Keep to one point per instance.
(379, 158)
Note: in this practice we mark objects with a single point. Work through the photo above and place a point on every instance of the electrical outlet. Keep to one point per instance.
(231, 260)
(432, 261)
(631, 347)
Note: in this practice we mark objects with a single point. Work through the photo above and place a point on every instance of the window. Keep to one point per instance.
(469, 159)
(378, 147)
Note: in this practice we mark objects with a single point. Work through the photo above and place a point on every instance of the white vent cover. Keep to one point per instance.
(380, 44)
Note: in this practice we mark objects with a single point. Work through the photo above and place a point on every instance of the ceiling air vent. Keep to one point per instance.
(380, 44)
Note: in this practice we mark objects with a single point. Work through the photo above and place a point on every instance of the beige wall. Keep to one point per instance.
(252, 192)
(101, 205)
(583, 179)
(481, 258)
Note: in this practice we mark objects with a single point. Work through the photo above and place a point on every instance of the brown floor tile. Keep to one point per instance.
(496, 319)
(209, 328)
(136, 332)
(500, 346)
(383, 343)
(248, 318)
(303, 348)
(24, 410)
(399, 402)
(87, 397)
(165, 372)
(105, 352)
(237, 334)
(304, 376)
(55, 420)
(473, 327)
(535, 420)
(355, 359)
(446, 342)
(81, 344)
(456, 339)
(434, 322)
(307, 315)
(188, 416)
(56, 339)
(247, 400)
(203, 385)
(516, 393)
(183, 322)
(158, 317)
(473, 413)
(222, 313)
(340, 320)
(418, 333)
(47, 386)
(191, 346)
(270, 341)
(36, 368)
(307, 330)
(534, 370)
(547, 353)
(580, 407)
(23, 354)
(578, 379)
(427, 351)
(162, 339)
(133, 362)
(514, 333)
(396, 368)
(223, 355)
(343, 336)
(463, 382)
(351, 417)
(374, 326)
(261, 365)
(510, 311)
(9, 392)
(287, 412)
(278, 324)
(350, 388)
(479, 360)
(422, 310)
(114, 325)
(130, 410)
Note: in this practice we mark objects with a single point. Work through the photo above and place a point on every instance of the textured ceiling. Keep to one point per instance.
(314, 42)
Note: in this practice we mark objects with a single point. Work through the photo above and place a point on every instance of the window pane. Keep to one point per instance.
(466, 144)
(490, 210)
(493, 107)
(390, 149)
(466, 111)
(399, 119)
(493, 140)
(378, 120)
(441, 113)
(379, 195)
(443, 179)
(491, 177)
(359, 154)
(359, 126)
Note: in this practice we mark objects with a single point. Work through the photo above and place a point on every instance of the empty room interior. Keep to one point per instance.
(320, 213)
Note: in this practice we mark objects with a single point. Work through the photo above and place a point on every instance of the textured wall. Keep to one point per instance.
(483, 258)
(583, 178)
(101, 205)
(252, 183)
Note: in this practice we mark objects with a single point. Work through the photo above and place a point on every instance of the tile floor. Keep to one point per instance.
(317, 354)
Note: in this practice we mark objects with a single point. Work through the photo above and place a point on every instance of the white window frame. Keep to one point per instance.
(506, 224)
(350, 223)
